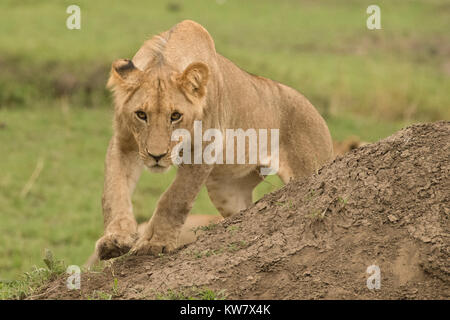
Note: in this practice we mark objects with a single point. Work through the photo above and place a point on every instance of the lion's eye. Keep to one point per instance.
(175, 116)
(141, 115)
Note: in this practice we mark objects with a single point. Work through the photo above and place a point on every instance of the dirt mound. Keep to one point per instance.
(385, 204)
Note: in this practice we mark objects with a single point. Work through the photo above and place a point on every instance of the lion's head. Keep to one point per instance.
(151, 104)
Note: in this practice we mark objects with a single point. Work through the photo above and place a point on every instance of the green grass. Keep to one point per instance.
(321, 48)
(193, 293)
(366, 83)
(105, 295)
(27, 284)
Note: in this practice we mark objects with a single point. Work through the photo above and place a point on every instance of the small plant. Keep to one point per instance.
(311, 194)
(235, 246)
(102, 295)
(208, 294)
(173, 295)
(288, 204)
(317, 214)
(206, 253)
(99, 295)
(55, 266)
(96, 268)
(232, 229)
(209, 227)
(32, 280)
(193, 293)
(123, 257)
(115, 287)
(198, 254)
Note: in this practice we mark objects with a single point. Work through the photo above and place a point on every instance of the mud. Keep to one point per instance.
(385, 204)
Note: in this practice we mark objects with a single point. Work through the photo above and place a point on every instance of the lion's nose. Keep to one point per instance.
(156, 157)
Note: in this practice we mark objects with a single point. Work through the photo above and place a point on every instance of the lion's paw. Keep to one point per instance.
(152, 247)
(114, 245)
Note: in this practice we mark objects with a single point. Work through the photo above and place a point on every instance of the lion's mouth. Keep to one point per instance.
(157, 167)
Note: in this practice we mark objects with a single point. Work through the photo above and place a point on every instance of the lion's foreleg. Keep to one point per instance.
(162, 231)
(122, 170)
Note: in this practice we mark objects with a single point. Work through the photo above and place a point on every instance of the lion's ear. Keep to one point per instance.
(123, 74)
(193, 80)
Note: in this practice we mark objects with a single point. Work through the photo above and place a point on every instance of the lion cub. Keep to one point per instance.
(175, 81)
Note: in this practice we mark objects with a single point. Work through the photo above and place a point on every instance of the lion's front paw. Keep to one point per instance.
(114, 245)
(152, 247)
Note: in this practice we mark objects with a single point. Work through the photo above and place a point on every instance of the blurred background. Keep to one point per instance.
(56, 115)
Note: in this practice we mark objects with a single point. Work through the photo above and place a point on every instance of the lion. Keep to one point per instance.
(174, 79)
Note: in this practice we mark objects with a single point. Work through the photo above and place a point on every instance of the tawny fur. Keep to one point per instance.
(179, 70)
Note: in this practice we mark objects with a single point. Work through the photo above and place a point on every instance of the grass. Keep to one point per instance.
(317, 215)
(321, 48)
(193, 293)
(206, 253)
(105, 295)
(236, 245)
(365, 83)
(29, 282)
(209, 227)
(99, 295)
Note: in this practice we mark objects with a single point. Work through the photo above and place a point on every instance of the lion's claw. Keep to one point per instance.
(151, 247)
(114, 245)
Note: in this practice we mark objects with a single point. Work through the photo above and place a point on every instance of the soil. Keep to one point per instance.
(385, 204)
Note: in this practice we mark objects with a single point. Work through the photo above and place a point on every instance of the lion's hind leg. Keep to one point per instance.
(230, 196)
